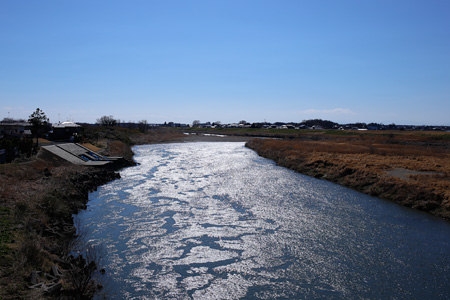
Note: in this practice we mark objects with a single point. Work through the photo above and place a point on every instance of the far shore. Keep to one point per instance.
(201, 137)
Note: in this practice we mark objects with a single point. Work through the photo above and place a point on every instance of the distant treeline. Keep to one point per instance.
(143, 125)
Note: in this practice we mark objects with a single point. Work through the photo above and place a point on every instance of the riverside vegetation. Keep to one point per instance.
(37, 234)
(410, 168)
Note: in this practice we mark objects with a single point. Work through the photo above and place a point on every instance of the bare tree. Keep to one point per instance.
(143, 126)
(196, 123)
(107, 121)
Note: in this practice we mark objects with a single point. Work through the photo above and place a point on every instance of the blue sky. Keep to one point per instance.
(347, 61)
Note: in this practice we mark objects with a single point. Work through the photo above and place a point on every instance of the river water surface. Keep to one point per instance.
(216, 221)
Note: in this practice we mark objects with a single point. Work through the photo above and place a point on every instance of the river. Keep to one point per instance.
(216, 221)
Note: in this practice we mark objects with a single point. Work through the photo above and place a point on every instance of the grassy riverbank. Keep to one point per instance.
(37, 200)
(410, 168)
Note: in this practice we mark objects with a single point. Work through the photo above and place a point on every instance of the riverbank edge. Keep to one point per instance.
(365, 181)
(39, 235)
(39, 264)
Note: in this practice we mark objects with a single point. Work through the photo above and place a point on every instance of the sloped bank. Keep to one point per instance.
(362, 173)
(38, 201)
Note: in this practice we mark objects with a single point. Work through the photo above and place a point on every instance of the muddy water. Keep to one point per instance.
(215, 221)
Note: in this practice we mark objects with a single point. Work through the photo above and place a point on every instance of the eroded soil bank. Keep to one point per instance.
(416, 176)
(37, 203)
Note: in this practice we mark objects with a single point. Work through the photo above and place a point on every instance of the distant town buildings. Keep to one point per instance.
(322, 124)
(16, 135)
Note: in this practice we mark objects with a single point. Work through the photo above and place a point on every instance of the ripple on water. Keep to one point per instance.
(215, 221)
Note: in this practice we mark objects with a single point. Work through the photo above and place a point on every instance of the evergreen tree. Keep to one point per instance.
(38, 119)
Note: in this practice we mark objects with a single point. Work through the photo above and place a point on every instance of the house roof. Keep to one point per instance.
(77, 154)
(66, 124)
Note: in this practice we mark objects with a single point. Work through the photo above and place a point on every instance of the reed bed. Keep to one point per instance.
(411, 169)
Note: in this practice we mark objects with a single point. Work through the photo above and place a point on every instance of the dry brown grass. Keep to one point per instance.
(91, 147)
(118, 148)
(40, 199)
(116, 141)
(157, 135)
(366, 162)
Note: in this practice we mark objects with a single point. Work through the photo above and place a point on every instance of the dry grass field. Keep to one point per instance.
(411, 168)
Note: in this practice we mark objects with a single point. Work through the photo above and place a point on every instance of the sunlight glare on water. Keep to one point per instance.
(215, 221)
